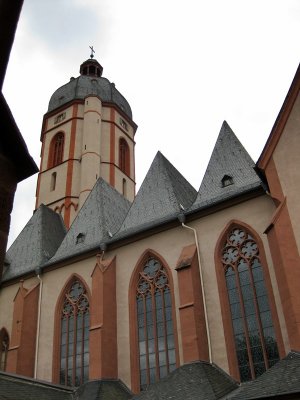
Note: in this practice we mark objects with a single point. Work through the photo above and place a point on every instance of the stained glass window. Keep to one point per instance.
(253, 329)
(74, 345)
(155, 325)
(4, 345)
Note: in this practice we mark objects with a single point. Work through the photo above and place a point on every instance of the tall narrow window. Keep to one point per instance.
(56, 150)
(124, 187)
(255, 341)
(155, 325)
(124, 156)
(74, 347)
(4, 345)
(53, 181)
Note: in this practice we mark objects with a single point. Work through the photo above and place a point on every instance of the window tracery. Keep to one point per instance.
(74, 345)
(155, 325)
(255, 341)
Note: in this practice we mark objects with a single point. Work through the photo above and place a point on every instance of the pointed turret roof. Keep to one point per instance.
(98, 219)
(230, 170)
(36, 244)
(163, 193)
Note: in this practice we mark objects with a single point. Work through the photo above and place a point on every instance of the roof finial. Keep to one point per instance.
(92, 52)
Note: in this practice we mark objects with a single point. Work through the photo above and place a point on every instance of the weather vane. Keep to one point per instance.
(92, 52)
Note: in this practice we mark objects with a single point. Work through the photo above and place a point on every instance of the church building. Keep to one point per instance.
(167, 293)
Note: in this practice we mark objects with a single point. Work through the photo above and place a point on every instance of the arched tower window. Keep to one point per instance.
(56, 150)
(74, 336)
(124, 156)
(4, 345)
(253, 328)
(155, 323)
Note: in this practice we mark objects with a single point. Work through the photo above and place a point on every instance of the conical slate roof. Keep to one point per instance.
(163, 193)
(198, 380)
(36, 244)
(230, 170)
(98, 219)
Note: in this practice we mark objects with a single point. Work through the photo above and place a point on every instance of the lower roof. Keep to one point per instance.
(199, 380)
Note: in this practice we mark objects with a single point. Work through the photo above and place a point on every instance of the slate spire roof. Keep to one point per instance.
(36, 244)
(98, 219)
(163, 193)
(230, 170)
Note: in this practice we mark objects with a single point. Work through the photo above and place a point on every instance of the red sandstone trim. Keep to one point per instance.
(103, 331)
(191, 309)
(112, 148)
(21, 354)
(67, 215)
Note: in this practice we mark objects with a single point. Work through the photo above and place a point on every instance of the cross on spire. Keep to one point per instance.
(92, 52)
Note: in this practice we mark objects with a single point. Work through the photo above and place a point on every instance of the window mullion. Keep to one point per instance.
(258, 319)
(165, 330)
(146, 340)
(74, 345)
(82, 347)
(155, 331)
(245, 325)
(67, 351)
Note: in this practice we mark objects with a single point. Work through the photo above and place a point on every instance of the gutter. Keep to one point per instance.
(38, 271)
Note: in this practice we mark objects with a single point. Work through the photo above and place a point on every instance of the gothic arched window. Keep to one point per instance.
(74, 339)
(124, 156)
(4, 345)
(155, 323)
(56, 151)
(253, 329)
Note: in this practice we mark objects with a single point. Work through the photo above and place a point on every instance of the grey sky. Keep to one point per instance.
(184, 67)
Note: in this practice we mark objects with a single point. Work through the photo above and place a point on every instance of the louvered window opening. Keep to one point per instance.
(58, 149)
(255, 341)
(155, 326)
(74, 348)
(124, 156)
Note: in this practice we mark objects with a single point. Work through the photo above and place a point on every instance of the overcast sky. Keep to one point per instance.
(184, 67)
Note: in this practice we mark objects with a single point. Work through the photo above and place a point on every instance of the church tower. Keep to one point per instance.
(87, 133)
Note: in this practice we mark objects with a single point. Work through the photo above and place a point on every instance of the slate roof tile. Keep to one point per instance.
(229, 162)
(36, 244)
(84, 86)
(21, 388)
(282, 379)
(99, 218)
(163, 193)
(107, 389)
(198, 380)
